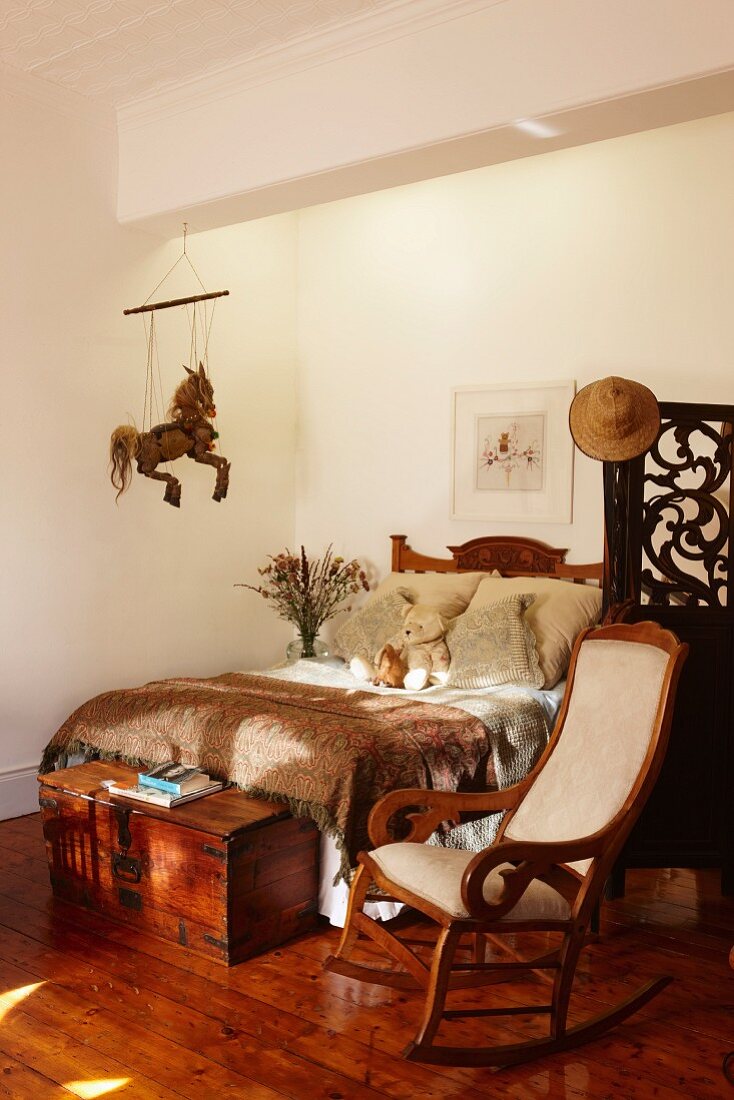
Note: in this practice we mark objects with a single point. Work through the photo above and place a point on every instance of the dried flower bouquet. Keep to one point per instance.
(308, 593)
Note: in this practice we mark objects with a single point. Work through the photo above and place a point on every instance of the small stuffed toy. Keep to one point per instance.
(391, 668)
(420, 646)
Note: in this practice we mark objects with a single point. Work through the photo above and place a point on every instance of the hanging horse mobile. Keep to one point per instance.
(189, 429)
(188, 432)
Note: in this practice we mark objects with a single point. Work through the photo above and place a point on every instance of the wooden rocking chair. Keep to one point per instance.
(564, 827)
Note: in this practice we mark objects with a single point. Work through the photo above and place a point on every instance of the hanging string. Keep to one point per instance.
(160, 412)
(158, 393)
(200, 326)
(184, 256)
(200, 331)
(192, 319)
(149, 329)
(208, 319)
(195, 364)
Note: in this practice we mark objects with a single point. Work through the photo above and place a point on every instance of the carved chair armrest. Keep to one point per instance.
(533, 858)
(436, 806)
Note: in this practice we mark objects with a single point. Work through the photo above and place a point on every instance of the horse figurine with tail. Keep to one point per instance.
(189, 432)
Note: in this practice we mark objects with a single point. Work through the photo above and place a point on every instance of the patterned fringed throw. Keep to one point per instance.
(327, 753)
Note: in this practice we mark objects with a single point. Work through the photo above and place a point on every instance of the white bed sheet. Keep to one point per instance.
(332, 672)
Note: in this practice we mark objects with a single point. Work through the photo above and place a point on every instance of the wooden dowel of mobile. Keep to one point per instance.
(176, 302)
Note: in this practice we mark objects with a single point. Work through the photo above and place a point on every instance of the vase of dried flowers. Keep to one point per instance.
(305, 646)
(308, 594)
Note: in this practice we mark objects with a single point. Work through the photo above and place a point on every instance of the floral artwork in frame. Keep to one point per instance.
(512, 452)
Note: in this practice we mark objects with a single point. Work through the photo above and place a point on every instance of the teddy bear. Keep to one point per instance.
(420, 646)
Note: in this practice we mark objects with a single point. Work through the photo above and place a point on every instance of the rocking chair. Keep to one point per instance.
(565, 825)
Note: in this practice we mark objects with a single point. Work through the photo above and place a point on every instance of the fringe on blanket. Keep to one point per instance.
(57, 756)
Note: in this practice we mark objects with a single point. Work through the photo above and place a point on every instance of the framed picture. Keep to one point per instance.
(512, 452)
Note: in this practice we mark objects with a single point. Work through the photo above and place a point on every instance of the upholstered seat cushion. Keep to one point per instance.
(435, 874)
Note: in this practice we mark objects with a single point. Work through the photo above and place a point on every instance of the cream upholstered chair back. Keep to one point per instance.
(596, 761)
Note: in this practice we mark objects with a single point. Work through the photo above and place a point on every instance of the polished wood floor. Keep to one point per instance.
(89, 1010)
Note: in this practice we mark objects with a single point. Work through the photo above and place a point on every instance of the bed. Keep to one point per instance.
(309, 735)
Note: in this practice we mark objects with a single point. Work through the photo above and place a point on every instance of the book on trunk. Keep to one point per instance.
(175, 779)
(154, 797)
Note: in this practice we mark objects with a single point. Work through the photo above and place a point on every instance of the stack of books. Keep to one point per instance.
(168, 785)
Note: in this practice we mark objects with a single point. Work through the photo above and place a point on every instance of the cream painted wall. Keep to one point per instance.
(95, 595)
(611, 258)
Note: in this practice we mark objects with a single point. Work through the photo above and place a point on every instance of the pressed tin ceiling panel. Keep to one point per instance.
(122, 50)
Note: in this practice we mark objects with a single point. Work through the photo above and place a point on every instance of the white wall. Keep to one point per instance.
(94, 595)
(611, 258)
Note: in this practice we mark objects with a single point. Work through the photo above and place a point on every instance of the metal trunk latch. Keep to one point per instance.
(122, 816)
(126, 868)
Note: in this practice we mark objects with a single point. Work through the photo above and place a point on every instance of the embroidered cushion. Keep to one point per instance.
(493, 645)
(560, 612)
(367, 630)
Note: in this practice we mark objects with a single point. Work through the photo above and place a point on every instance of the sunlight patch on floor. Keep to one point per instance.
(11, 997)
(88, 1090)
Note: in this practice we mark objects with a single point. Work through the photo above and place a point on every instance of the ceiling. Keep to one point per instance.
(119, 51)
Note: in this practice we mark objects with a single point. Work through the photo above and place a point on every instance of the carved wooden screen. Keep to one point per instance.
(686, 537)
(681, 541)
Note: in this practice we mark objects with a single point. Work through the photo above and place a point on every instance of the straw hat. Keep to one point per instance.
(614, 419)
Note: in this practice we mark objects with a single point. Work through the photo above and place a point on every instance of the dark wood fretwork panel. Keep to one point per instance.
(687, 533)
(681, 560)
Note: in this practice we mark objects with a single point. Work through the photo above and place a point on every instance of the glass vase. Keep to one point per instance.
(305, 647)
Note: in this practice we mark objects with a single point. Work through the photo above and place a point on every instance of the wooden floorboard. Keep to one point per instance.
(19, 1082)
(84, 1000)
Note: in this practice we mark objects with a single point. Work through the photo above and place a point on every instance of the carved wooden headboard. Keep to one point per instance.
(512, 555)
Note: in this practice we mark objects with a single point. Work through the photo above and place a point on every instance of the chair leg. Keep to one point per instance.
(479, 948)
(357, 893)
(563, 982)
(443, 957)
(415, 973)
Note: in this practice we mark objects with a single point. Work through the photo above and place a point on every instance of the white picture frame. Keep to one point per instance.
(512, 452)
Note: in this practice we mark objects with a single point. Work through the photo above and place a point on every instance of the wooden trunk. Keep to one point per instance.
(226, 875)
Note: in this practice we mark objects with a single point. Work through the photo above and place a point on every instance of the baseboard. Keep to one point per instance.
(18, 791)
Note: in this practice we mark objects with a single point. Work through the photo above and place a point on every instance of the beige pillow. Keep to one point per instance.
(449, 593)
(367, 630)
(557, 616)
(493, 645)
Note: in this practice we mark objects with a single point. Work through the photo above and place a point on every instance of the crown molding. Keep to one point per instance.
(16, 83)
(405, 17)
(671, 104)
